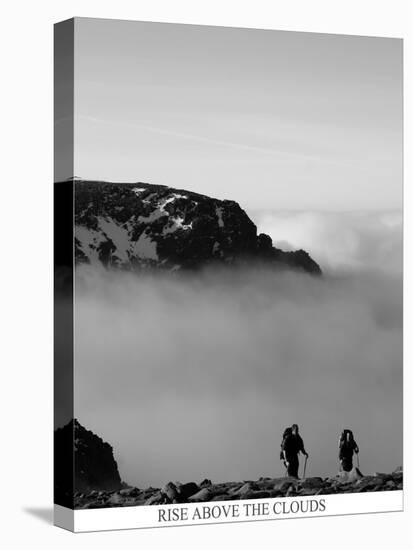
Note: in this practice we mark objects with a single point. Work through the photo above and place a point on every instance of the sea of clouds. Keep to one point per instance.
(197, 376)
(339, 241)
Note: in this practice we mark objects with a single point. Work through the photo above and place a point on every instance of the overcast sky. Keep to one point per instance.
(271, 119)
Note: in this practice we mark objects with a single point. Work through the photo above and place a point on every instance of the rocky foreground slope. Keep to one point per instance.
(263, 488)
(87, 476)
(141, 226)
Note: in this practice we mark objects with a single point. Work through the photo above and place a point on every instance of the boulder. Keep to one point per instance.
(187, 490)
(247, 488)
(284, 484)
(156, 498)
(233, 489)
(291, 491)
(222, 497)
(312, 483)
(367, 484)
(203, 495)
(397, 475)
(171, 491)
(116, 500)
(348, 477)
(384, 477)
(131, 492)
(205, 483)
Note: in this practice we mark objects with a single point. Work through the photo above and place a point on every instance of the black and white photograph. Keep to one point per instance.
(237, 307)
(205, 282)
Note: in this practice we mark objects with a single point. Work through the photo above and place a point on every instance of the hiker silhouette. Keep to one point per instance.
(347, 447)
(292, 444)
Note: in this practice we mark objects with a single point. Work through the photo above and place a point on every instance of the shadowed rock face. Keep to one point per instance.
(145, 226)
(81, 453)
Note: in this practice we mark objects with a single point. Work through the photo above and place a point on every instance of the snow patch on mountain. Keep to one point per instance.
(215, 248)
(153, 216)
(145, 248)
(89, 240)
(176, 223)
(219, 211)
(118, 235)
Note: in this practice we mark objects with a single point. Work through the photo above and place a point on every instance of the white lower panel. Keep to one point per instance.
(104, 519)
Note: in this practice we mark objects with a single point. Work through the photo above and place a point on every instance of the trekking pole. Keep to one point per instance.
(305, 466)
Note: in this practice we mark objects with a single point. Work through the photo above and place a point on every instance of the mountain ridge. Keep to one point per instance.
(143, 225)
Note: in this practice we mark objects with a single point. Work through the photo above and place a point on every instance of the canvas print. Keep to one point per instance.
(228, 270)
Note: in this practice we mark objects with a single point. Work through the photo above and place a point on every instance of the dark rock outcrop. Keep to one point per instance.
(84, 463)
(142, 225)
(265, 487)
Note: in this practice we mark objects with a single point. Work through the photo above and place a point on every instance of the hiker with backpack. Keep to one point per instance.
(292, 444)
(347, 447)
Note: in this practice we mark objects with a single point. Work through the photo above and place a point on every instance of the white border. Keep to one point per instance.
(232, 511)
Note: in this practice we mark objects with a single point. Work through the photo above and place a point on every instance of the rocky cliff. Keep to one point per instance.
(142, 225)
(83, 462)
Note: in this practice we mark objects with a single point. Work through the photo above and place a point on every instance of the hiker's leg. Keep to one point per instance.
(290, 466)
(293, 468)
(347, 464)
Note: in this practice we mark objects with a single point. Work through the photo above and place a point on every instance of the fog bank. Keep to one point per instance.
(197, 376)
(339, 241)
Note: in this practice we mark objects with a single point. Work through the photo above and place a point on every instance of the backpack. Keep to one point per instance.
(346, 444)
(286, 434)
(289, 443)
(344, 433)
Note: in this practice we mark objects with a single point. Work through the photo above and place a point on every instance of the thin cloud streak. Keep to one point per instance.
(205, 139)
